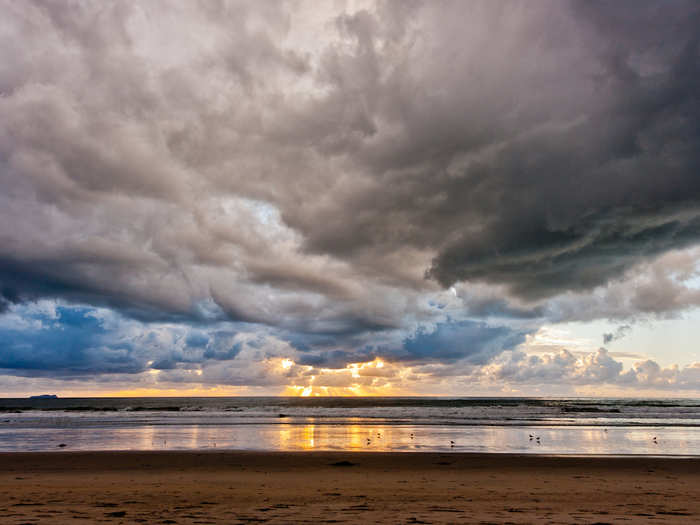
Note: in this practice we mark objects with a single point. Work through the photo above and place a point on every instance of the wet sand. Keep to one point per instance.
(312, 487)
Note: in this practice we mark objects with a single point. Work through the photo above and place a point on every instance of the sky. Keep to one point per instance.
(350, 198)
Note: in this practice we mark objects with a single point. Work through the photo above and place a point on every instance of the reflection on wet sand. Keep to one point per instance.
(307, 440)
(362, 437)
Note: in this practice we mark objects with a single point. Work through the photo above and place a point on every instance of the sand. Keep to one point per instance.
(312, 487)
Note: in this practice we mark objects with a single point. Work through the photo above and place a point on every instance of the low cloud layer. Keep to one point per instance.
(93, 350)
(595, 369)
(421, 182)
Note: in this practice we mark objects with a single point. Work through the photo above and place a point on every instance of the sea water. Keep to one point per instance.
(398, 424)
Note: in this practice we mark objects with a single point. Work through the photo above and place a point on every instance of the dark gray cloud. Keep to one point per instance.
(619, 333)
(662, 288)
(7, 297)
(303, 168)
(550, 158)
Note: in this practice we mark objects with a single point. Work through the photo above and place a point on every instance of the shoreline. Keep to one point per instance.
(6, 457)
(209, 486)
(68, 461)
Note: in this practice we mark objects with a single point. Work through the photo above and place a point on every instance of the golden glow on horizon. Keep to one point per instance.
(369, 378)
(308, 442)
(217, 391)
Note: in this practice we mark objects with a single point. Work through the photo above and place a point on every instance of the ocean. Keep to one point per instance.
(657, 427)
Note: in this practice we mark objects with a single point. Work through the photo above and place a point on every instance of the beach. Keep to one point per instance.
(353, 487)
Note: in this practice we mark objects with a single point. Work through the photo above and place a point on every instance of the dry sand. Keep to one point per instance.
(312, 487)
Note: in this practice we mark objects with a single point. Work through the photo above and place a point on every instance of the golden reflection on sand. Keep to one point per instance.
(355, 437)
(285, 438)
(308, 441)
(596, 440)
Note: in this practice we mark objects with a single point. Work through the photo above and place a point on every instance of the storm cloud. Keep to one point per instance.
(412, 181)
